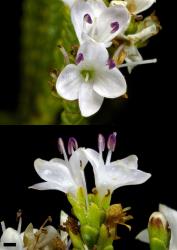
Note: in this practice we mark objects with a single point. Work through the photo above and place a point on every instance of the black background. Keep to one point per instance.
(145, 127)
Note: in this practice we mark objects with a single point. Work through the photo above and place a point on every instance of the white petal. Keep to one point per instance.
(171, 216)
(68, 82)
(94, 54)
(120, 176)
(78, 162)
(98, 6)
(52, 186)
(130, 162)
(137, 6)
(78, 11)
(143, 236)
(97, 163)
(89, 101)
(12, 236)
(54, 172)
(110, 83)
(103, 30)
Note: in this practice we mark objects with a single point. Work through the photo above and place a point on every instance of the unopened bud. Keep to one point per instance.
(159, 232)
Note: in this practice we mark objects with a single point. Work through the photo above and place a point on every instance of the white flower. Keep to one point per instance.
(63, 175)
(135, 6)
(112, 175)
(12, 236)
(93, 78)
(171, 216)
(93, 20)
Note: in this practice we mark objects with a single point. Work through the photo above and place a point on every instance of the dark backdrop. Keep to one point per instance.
(21, 145)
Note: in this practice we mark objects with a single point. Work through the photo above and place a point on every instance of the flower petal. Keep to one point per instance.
(55, 173)
(78, 11)
(137, 6)
(94, 54)
(120, 176)
(143, 236)
(98, 6)
(171, 216)
(94, 158)
(78, 162)
(130, 162)
(51, 186)
(89, 101)
(110, 83)
(105, 31)
(97, 163)
(68, 82)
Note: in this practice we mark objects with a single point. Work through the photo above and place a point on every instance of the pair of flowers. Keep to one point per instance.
(68, 175)
(95, 75)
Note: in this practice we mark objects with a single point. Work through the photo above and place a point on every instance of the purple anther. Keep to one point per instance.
(111, 63)
(114, 26)
(111, 144)
(79, 58)
(60, 145)
(101, 143)
(88, 18)
(72, 145)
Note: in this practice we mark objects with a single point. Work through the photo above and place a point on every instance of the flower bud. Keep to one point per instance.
(159, 232)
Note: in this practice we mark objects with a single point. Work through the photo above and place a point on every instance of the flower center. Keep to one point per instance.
(88, 74)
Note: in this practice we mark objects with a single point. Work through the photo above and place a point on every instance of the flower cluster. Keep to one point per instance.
(95, 219)
(108, 35)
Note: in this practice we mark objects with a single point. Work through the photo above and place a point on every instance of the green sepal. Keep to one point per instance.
(156, 244)
(95, 216)
(89, 235)
(78, 206)
(76, 241)
(104, 241)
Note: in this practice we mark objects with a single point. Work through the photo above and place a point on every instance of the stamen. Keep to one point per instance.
(114, 26)
(19, 217)
(79, 58)
(101, 143)
(137, 63)
(65, 54)
(19, 225)
(3, 226)
(88, 19)
(49, 219)
(61, 149)
(111, 63)
(72, 145)
(111, 144)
